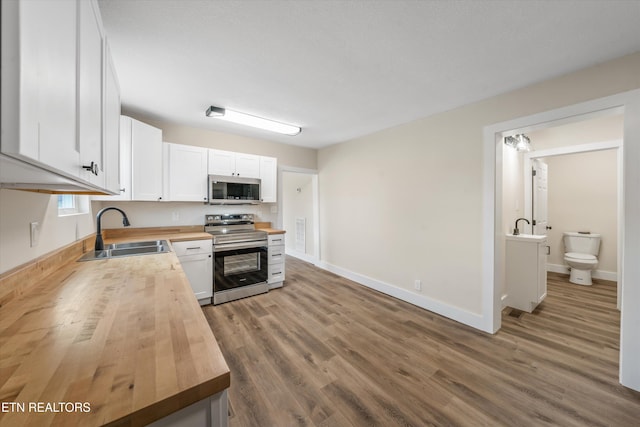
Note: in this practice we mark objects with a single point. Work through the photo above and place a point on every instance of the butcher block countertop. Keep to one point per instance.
(121, 341)
(266, 226)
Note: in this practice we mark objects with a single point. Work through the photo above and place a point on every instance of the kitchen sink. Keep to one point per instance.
(119, 250)
(129, 245)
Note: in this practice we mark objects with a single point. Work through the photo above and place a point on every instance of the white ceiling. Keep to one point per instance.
(346, 68)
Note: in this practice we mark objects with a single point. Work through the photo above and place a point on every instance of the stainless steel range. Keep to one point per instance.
(240, 257)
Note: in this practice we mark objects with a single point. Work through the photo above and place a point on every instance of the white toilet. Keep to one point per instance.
(581, 251)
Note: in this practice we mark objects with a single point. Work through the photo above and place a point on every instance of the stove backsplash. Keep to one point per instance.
(166, 214)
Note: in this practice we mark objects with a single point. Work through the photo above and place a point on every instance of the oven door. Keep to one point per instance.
(240, 270)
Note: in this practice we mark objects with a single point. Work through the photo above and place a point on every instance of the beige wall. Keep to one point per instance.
(583, 197)
(18, 209)
(600, 129)
(406, 203)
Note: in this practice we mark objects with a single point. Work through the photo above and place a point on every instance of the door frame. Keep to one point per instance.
(615, 144)
(493, 236)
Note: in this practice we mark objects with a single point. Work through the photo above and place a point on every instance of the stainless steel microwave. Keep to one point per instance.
(233, 190)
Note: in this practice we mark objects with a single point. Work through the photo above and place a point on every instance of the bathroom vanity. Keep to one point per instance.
(526, 270)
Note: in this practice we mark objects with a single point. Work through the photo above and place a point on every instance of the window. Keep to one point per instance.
(70, 204)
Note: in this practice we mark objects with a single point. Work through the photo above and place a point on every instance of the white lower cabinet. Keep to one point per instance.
(526, 271)
(196, 259)
(212, 411)
(276, 261)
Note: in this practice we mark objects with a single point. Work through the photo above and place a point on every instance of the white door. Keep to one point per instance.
(539, 209)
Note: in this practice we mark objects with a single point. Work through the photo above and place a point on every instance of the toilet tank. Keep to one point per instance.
(581, 243)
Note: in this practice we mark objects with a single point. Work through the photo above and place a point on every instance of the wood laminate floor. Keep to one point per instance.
(324, 351)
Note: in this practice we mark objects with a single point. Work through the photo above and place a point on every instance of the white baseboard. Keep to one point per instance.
(459, 315)
(304, 257)
(596, 274)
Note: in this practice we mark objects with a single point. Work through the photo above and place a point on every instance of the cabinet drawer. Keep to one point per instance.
(192, 247)
(276, 254)
(276, 273)
(276, 239)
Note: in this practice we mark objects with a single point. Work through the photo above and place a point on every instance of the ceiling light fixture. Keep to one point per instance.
(520, 142)
(253, 121)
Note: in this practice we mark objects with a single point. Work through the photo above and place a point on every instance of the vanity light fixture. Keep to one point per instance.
(253, 121)
(520, 142)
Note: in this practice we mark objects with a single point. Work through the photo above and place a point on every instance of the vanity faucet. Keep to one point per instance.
(515, 230)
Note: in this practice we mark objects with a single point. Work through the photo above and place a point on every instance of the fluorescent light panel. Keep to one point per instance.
(253, 121)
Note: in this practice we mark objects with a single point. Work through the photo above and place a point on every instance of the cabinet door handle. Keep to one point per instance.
(548, 250)
(93, 168)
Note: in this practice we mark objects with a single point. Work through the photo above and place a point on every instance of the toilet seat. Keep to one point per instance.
(580, 257)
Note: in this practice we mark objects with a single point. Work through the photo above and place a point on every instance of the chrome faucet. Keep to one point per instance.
(125, 221)
(515, 230)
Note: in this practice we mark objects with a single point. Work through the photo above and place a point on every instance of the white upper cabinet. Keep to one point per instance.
(53, 89)
(140, 162)
(247, 165)
(39, 83)
(90, 66)
(146, 161)
(111, 128)
(229, 163)
(186, 173)
(222, 162)
(268, 177)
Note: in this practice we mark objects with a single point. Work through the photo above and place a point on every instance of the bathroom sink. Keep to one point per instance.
(529, 237)
(119, 250)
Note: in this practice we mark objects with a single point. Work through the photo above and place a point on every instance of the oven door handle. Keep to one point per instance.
(239, 245)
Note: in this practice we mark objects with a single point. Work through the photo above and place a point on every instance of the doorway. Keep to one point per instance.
(612, 152)
(299, 213)
(628, 104)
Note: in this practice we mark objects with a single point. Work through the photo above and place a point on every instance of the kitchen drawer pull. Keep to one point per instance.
(195, 247)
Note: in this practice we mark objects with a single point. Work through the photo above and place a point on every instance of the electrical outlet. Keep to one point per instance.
(34, 233)
(175, 216)
(417, 285)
